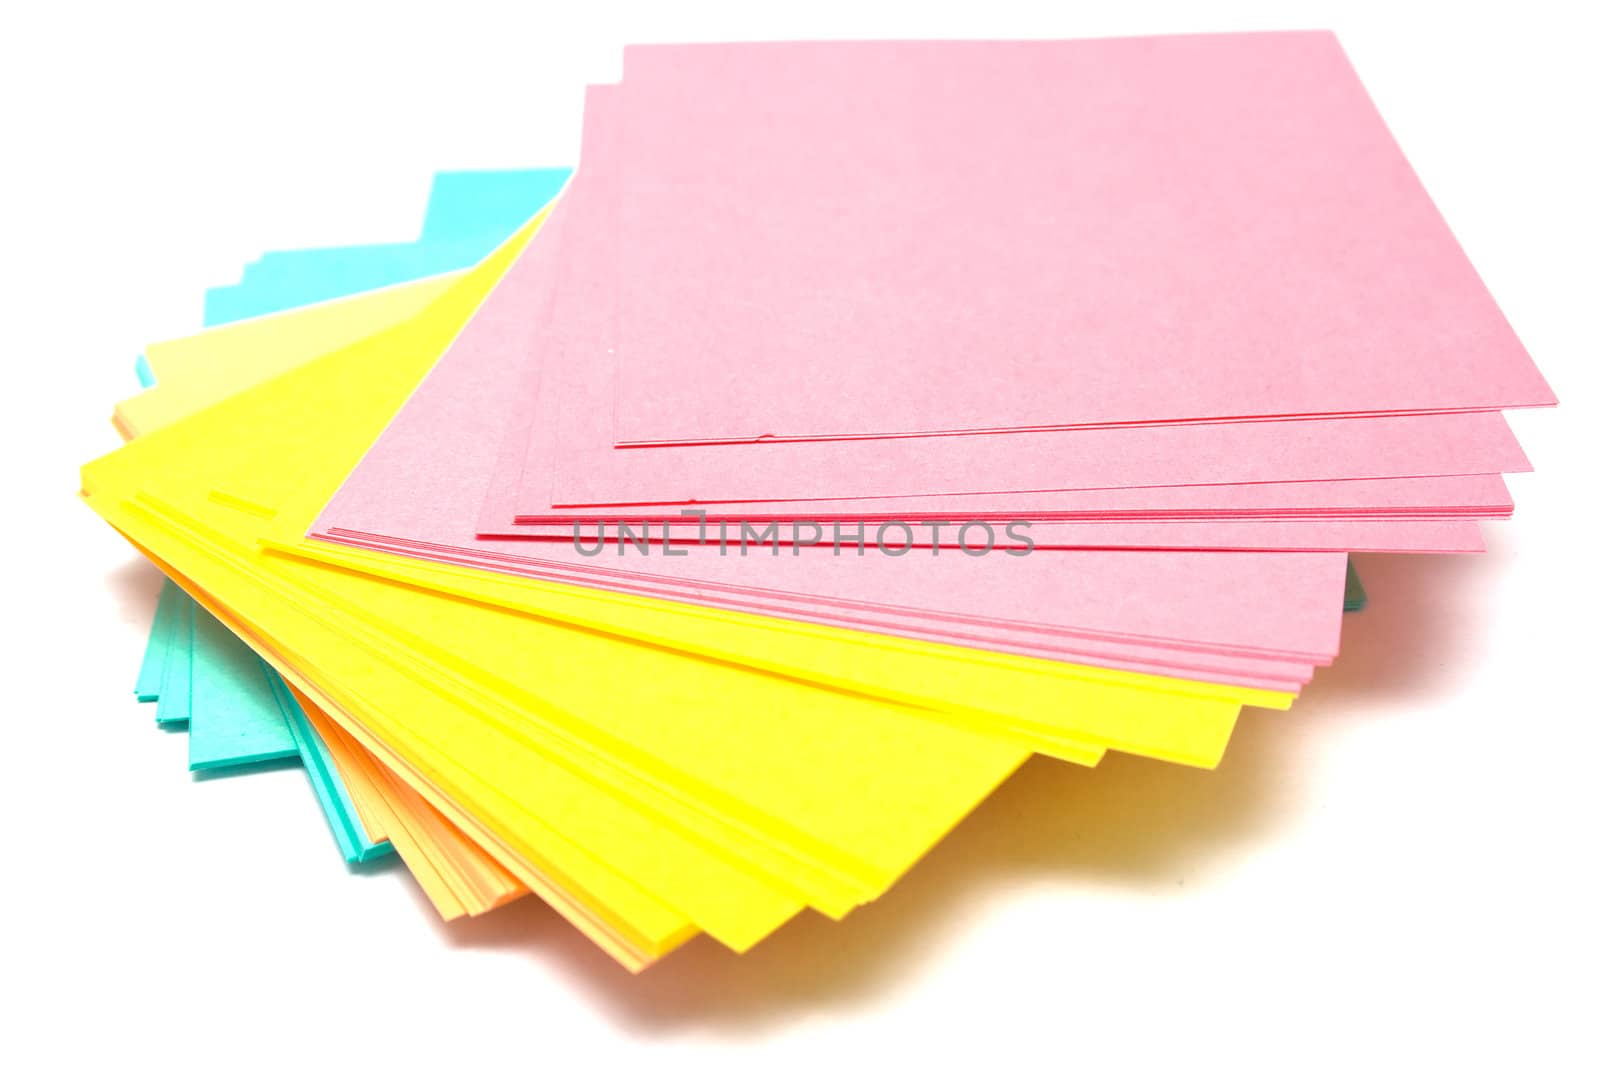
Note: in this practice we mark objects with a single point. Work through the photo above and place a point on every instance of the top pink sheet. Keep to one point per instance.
(835, 240)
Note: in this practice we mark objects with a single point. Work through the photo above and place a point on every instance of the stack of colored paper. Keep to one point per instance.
(859, 420)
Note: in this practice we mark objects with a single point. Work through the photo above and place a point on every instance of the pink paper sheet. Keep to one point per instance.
(1402, 498)
(418, 488)
(1468, 496)
(569, 394)
(825, 240)
(1283, 535)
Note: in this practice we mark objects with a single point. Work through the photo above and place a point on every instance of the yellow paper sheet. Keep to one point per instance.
(735, 795)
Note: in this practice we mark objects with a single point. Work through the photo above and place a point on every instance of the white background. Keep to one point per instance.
(1399, 868)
